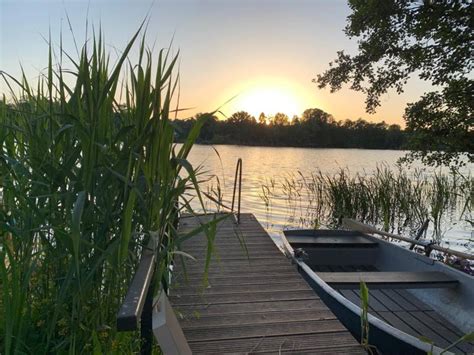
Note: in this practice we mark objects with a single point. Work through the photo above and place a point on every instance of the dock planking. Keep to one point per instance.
(255, 301)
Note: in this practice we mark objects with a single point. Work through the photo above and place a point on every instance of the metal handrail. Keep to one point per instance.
(238, 170)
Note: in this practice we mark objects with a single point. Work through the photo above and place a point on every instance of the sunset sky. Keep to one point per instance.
(264, 52)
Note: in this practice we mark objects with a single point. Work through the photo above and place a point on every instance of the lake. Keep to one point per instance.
(262, 165)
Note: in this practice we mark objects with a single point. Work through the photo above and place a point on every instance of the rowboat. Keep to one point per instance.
(416, 305)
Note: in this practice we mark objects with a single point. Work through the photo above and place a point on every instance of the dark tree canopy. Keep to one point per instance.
(315, 128)
(431, 39)
(280, 119)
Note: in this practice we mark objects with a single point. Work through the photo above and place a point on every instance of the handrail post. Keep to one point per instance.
(238, 172)
(146, 323)
(240, 192)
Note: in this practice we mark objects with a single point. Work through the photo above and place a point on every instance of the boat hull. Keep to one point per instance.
(389, 258)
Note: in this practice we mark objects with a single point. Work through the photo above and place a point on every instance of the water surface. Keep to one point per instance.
(264, 164)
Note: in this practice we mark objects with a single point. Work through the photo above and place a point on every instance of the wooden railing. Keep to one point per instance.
(137, 308)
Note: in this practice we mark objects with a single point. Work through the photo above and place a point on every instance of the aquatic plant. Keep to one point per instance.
(89, 172)
(396, 200)
(364, 316)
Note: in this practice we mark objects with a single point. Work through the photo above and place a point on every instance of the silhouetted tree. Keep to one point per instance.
(281, 119)
(316, 116)
(241, 117)
(315, 128)
(209, 127)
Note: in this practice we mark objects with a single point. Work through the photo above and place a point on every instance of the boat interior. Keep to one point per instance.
(407, 290)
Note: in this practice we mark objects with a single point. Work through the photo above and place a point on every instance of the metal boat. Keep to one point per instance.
(417, 305)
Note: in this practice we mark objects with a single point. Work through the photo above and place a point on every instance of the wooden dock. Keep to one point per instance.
(255, 302)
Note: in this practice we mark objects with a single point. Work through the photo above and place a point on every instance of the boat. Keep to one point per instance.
(417, 305)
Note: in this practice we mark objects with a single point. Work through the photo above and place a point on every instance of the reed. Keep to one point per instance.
(395, 200)
(89, 172)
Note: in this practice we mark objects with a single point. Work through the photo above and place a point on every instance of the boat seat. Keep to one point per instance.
(328, 241)
(381, 279)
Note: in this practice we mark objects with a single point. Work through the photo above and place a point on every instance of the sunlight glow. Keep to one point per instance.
(270, 98)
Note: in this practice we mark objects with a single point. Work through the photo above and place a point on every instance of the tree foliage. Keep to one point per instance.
(398, 39)
(315, 128)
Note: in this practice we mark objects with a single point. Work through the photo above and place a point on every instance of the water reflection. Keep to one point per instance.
(267, 165)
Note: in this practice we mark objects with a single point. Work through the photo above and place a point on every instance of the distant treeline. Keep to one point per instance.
(315, 128)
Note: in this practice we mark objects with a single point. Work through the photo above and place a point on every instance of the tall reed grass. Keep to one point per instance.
(89, 172)
(396, 200)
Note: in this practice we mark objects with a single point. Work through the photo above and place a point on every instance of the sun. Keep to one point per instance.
(269, 98)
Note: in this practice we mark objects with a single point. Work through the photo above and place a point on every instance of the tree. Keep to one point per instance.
(280, 119)
(242, 117)
(209, 127)
(316, 116)
(433, 39)
(262, 119)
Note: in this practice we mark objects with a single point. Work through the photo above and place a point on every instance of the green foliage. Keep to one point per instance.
(432, 39)
(89, 172)
(364, 317)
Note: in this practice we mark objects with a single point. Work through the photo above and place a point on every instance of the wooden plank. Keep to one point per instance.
(267, 286)
(331, 351)
(236, 279)
(444, 330)
(413, 300)
(224, 253)
(437, 317)
(233, 263)
(427, 332)
(226, 269)
(398, 299)
(215, 281)
(243, 297)
(425, 279)
(197, 276)
(257, 318)
(309, 305)
(234, 240)
(232, 244)
(257, 330)
(385, 300)
(333, 343)
(332, 241)
(334, 350)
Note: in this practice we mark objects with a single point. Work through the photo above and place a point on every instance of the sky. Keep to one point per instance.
(260, 54)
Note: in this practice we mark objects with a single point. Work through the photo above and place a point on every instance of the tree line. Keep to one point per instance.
(314, 129)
